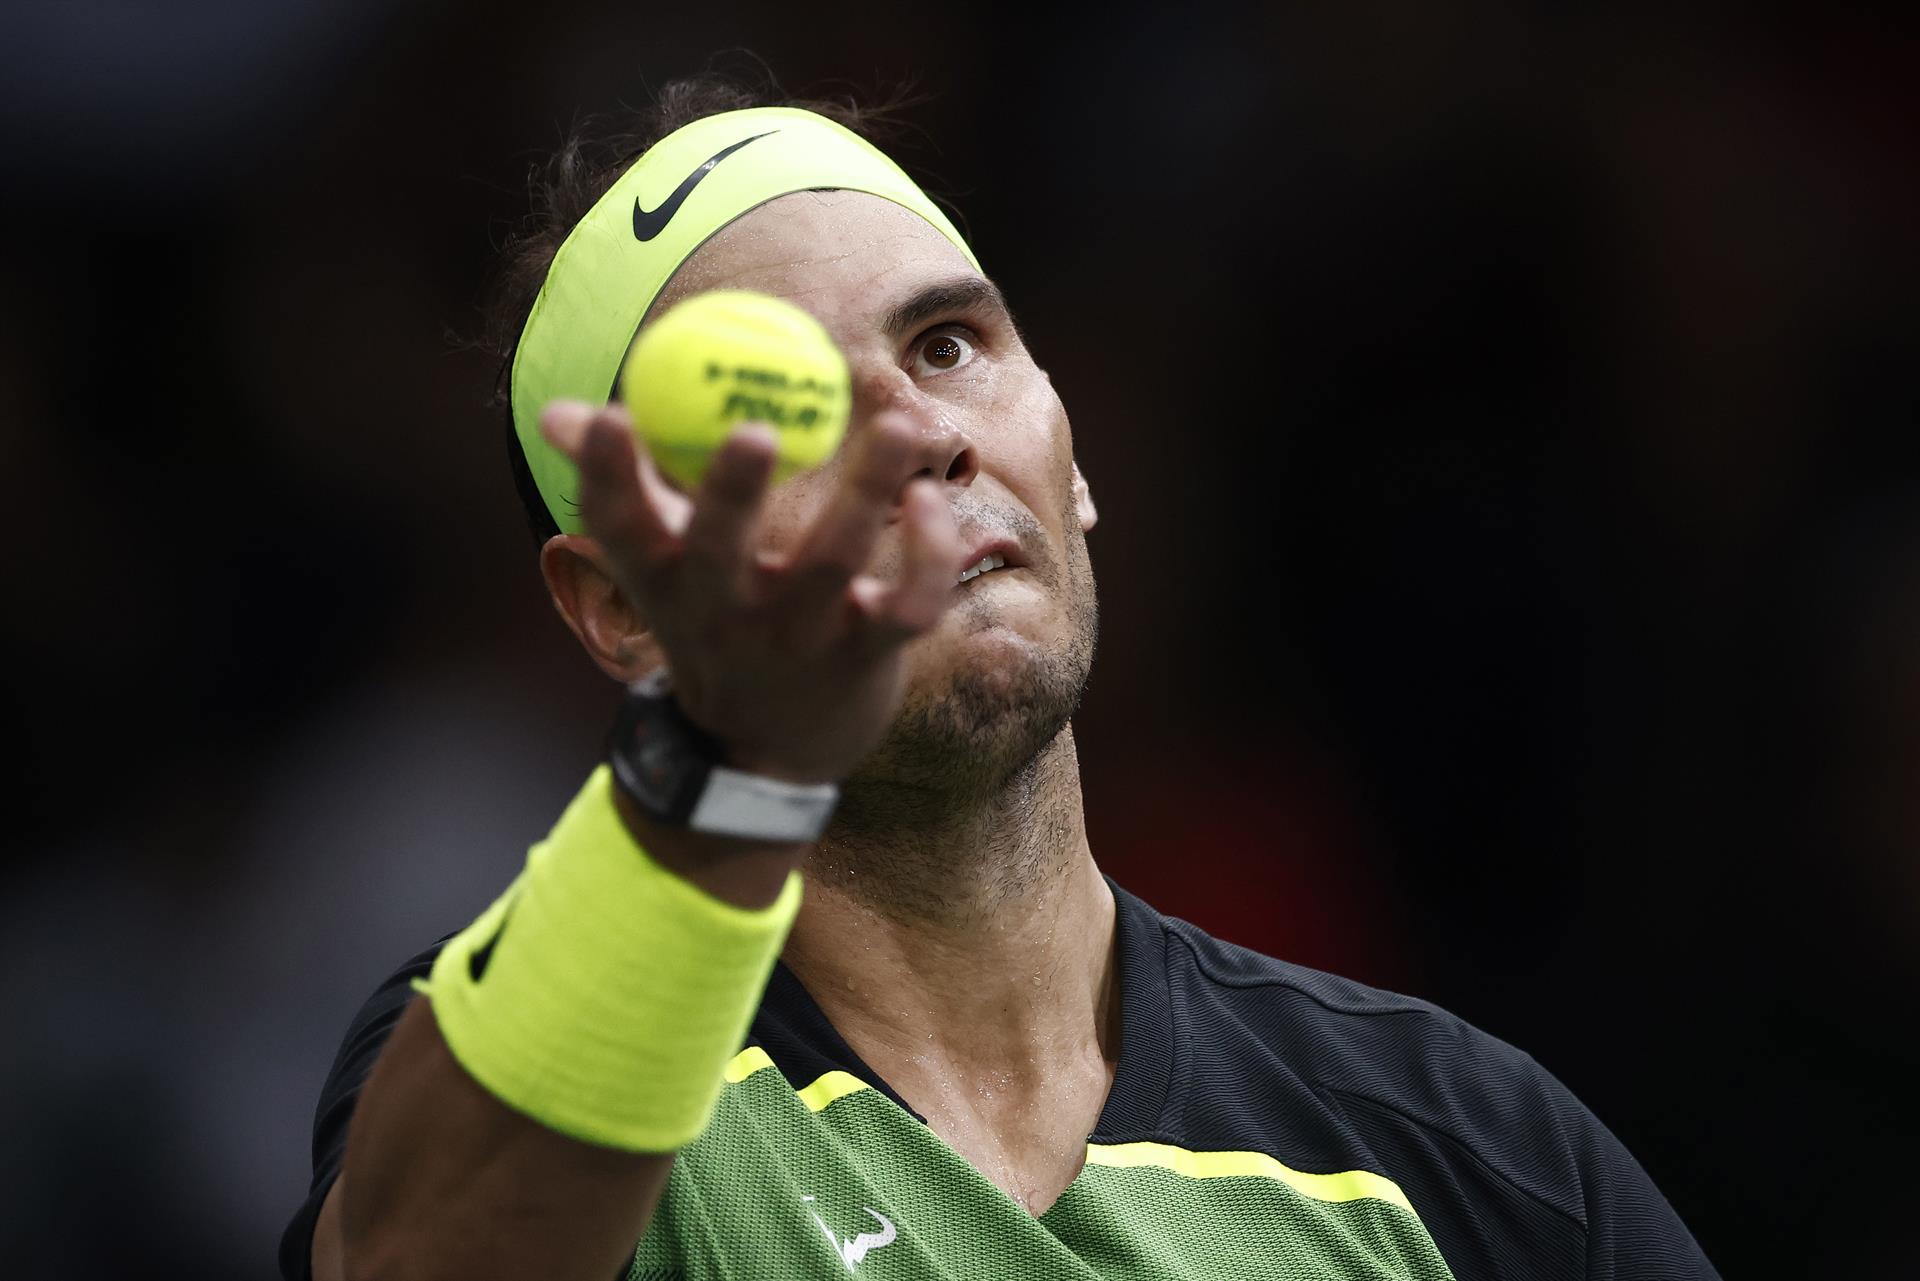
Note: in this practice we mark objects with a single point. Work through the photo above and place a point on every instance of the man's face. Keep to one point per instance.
(927, 337)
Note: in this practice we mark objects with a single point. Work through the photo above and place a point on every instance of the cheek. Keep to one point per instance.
(1025, 428)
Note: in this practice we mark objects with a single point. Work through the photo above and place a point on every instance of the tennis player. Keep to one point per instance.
(817, 976)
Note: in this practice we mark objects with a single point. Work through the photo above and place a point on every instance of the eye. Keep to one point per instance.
(941, 352)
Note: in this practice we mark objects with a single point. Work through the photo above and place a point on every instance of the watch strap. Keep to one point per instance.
(736, 803)
(676, 772)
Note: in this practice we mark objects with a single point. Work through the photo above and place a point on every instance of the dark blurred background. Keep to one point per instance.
(1503, 429)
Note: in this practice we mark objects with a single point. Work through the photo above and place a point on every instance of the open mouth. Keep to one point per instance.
(981, 566)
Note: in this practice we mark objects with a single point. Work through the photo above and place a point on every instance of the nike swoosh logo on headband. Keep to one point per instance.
(648, 223)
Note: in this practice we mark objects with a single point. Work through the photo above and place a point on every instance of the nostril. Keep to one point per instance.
(962, 467)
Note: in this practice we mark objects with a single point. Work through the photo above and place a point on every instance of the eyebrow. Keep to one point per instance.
(968, 294)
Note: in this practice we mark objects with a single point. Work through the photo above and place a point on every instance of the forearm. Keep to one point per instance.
(442, 1179)
(445, 1175)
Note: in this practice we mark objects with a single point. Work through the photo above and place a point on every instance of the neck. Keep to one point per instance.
(968, 938)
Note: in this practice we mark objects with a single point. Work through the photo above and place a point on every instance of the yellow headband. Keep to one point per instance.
(685, 188)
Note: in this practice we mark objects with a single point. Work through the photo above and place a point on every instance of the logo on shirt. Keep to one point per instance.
(853, 1249)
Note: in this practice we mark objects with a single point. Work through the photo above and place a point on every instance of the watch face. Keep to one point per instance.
(658, 770)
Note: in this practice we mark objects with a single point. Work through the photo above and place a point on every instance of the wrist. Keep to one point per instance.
(677, 775)
(746, 873)
(601, 995)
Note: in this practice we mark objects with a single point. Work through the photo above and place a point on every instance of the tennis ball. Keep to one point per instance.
(730, 356)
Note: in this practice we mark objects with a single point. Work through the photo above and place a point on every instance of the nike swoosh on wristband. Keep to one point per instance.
(478, 958)
(648, 223)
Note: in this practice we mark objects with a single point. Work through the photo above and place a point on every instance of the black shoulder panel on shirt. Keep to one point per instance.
(1397, 1052)
(1512, 1176)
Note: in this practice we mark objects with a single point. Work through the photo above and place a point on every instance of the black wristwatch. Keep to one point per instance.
(676, 773)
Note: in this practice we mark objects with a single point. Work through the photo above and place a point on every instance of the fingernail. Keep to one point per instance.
(563, 418)
(758, 433)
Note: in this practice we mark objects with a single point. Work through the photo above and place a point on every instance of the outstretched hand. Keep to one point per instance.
(791, 659)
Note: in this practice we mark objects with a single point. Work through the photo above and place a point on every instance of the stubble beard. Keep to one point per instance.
(973, 794)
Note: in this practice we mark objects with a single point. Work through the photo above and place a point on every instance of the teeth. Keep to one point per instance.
(986, 563)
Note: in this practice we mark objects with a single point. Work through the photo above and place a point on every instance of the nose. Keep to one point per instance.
(941, 449)
(945, 453)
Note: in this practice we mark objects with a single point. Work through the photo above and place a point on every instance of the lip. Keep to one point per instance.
(1005, 548)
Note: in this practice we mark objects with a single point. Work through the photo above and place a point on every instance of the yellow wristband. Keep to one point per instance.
(602, 995)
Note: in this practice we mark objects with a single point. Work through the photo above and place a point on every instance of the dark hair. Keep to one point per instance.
(591, 159)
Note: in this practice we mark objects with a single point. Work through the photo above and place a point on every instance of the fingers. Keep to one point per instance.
(931, 554)
(648, 527)
(842, 539)
(620, 496)
(720, 536)
(702, 553)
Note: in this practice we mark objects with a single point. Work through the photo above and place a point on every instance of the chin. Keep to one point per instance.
(983, 708)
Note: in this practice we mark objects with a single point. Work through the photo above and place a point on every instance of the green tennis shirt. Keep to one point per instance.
(1265, 1121)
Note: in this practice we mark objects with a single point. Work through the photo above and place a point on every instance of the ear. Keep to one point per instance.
(1083, 499)
(608, 625)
